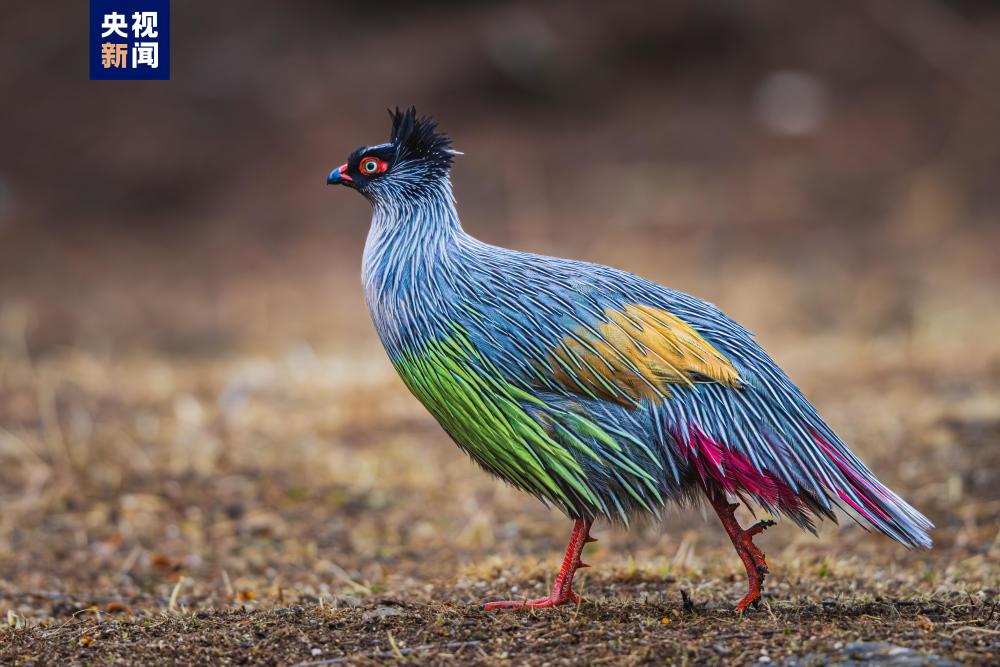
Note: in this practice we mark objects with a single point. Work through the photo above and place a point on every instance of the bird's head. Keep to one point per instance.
(415, 161)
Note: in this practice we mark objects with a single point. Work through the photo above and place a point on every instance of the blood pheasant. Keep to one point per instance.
(599, 392)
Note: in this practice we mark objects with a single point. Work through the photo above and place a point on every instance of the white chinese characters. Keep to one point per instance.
(144, 25)
(146, 53)
(114, 23)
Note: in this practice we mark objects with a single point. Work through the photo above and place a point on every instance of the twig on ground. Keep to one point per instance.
(172, 606)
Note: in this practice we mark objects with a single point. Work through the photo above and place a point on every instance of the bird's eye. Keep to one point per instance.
(372, 165)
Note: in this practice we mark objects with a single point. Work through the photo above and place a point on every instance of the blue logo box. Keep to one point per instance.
(129, 40)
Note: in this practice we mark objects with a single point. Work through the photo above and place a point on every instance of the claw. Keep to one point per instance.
(759, 527)
(562, 591)
(538, 603)
(763, 569)
(750, 600)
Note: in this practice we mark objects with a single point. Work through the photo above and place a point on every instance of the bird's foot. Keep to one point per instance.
(746, 541)
(562, 592)
(755, 562)
(751, 598)
(553, 600)
(752, 557)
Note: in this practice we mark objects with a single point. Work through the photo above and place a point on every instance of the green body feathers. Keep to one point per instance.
(540, 448)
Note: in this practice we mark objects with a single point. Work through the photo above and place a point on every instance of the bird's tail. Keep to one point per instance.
(872, 501)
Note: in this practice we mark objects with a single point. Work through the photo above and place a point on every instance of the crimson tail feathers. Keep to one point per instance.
(866, 497)
(815, 478)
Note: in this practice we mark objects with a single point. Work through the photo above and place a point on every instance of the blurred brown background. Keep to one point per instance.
(852, 147)
(189, 381)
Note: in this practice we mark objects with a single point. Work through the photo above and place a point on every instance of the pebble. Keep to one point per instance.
(381, 612)
(858, 654)
(347, 601)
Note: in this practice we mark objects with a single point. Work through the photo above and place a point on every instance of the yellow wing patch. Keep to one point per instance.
(637, 354)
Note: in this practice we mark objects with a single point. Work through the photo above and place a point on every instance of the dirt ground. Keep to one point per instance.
(632, 621)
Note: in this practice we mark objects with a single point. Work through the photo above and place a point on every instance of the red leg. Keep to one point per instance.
(562, 592)
(752, 557)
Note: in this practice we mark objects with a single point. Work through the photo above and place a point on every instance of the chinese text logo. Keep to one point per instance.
(129, 40)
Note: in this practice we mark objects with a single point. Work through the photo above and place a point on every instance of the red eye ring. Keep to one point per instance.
(372, 165)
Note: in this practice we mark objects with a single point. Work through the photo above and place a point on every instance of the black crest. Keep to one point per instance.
(417, 139)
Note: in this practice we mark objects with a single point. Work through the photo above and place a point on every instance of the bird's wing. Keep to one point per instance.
(591, 331)
(678, 372)
(636, 351)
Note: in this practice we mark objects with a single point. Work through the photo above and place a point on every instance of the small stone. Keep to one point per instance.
(381, 612)
(316, 651)
(347, 601)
